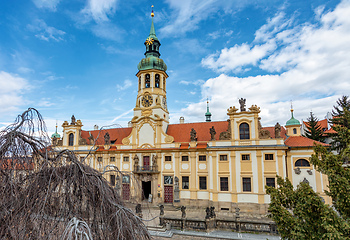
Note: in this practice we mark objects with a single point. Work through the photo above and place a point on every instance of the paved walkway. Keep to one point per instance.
(177, 234)
(151, 220)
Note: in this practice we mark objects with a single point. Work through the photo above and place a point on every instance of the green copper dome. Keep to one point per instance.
(152, 62)
(292, 121)
(55, 135)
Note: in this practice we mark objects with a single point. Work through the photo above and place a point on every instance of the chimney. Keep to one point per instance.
(129, 124)
(95, 127)
(182, 120)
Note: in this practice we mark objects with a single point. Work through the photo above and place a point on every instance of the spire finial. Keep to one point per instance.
(208, 114)
(152, 14)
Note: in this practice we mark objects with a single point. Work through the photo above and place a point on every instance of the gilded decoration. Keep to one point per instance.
(126, 141)
(232, 110)
(254, 108)
(146, 112)
(169, 139)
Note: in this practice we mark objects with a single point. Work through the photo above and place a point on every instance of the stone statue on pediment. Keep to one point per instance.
(242, 104)
(193, 135)
(107, 139)
(73, 120)
(212, 133)
(277, 130)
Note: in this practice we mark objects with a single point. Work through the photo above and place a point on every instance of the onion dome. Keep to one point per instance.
(56, 135)
(292, 121)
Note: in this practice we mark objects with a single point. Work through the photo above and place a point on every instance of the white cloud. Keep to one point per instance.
(108, 31)
(49, 4)
(127, 83)
(310, 66)
(234, 58)
(45, 32)
(99, 9)
(11, 89)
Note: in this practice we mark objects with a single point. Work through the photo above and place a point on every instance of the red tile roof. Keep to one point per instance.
(116, 135)
(181, 132)
(16, 164)
(300, 141)
(323, 123)
(331, 130)
(272, 131)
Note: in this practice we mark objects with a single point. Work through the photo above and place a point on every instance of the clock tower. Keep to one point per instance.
(151, 110)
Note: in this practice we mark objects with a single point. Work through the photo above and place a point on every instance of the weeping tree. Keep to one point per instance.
(53, 195)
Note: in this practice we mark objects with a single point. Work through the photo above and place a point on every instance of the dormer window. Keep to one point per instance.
(294, 131)
(147, 81)
(244, 131)
(156, 82)
(71, 139)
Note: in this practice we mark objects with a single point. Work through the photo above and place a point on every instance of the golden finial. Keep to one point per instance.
(152, 14)
(291, 106)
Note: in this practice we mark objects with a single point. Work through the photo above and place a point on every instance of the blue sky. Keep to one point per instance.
(80, 57)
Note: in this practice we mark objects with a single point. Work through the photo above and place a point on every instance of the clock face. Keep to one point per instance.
(168, 180)
(147, 100)
(164, 103)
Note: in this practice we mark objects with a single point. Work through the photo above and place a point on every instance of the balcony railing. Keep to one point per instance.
(146, 169)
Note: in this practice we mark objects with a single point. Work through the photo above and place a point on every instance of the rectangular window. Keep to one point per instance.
(224, 184)
(202, 183)
(270, 182)
(82, 159)
(245, 157)
(184, 158)
(99, 159)
(269, 156)
(247, 185)
(112, 179)
(167, 158)
(185, 182)
(223, 157)
(126, 159)
(202, 158)
(112, 159)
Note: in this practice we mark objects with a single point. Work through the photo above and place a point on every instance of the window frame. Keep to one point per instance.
(112, 159)
(301, 160)
(224, 184)
(126, 157)
(112, 179)
(266, 158)
(269, 183)
(188, 182)
(222, 157)
(203, 183)
(245, 154)
(71, 139)
(166, 158)
(244, 133)
(200, 158)
(99, 159)
(246, 185)
(185, 156)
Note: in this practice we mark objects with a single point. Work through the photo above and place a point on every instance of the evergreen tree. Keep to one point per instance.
(341, 124)
(313, 129)
(300, 213)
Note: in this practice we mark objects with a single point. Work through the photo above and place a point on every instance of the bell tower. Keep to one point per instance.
(151, 98)
(151, 116)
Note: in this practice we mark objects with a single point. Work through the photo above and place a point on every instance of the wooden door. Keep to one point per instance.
(168, 194)
(126, 191)
(146, 162)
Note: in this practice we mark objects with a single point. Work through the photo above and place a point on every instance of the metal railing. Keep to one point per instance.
(146, 169)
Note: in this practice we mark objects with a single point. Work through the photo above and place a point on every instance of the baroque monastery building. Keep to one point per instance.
(225, 164)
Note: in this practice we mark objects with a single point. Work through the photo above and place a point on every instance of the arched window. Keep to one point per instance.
(302, 163)
(71, 139)
(244, 131)
(147, 81)
(294, 131)
(139, 83)
(156, 82)
(164, 83)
